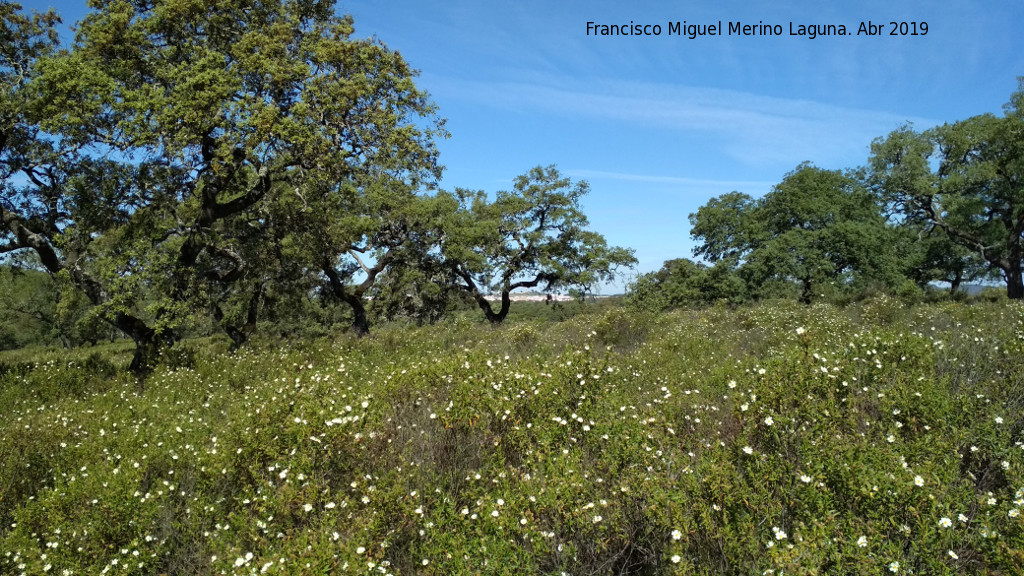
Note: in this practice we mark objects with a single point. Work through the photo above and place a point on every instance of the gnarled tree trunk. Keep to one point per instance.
(360, 324)
(493, 317)
(353, 298)
(807, 292)
(148, 343)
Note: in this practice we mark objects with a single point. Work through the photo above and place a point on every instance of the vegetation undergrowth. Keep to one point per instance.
(768, 439)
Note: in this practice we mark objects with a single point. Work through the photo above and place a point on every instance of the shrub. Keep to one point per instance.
(624, 330)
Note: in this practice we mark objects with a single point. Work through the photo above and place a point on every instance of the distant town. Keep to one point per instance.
(533, 297)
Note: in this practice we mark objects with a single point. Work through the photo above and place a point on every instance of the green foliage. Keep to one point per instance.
(562, 310)
(769, 437)
(26, 308)
(929, 255)
(39, 309)
(882, 310)
(622, 329)
(726, 228)
(188, 133)
(373, 234)
(420, 292)
(682, 282)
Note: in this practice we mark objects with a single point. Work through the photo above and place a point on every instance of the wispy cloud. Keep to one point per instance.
(752, 129)
(674, 180)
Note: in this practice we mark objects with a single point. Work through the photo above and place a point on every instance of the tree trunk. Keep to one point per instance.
(240, 334)
(954, 285)
(355, 300)
(359, 322)
(147, 352)
(148, 343)
(805, 296)
(493, 317)
(503, 311)
(1014, 281)
(1014, 260)
(238, 338)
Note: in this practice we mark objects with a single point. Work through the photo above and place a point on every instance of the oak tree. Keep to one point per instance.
(966, 179)
(816, 226)
(532, 236)
(168, 127)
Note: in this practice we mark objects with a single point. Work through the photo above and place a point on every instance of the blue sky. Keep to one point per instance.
(660, 124)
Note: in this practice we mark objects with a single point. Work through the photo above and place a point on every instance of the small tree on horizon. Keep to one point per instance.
(533, 236)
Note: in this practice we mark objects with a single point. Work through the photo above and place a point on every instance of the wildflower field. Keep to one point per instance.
(876, 438)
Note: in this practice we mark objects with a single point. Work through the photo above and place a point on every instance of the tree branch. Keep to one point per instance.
(541, 277)
(26, 237)
(932, 214)
(352, 252)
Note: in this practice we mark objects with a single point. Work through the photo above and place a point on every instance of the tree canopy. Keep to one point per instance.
(184, 166)
(815, 226)
(966, 179)
(683, 282)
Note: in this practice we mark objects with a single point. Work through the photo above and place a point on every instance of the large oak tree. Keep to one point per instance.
(816, 226)
(170, 125)
(966, 179)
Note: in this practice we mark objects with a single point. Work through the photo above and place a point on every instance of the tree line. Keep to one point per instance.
(185, 168)
(943, 205)
(185, 164)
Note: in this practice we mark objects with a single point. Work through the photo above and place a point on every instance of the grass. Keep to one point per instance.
(770, 439)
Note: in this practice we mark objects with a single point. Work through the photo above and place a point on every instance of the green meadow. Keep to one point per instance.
(769, 439)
